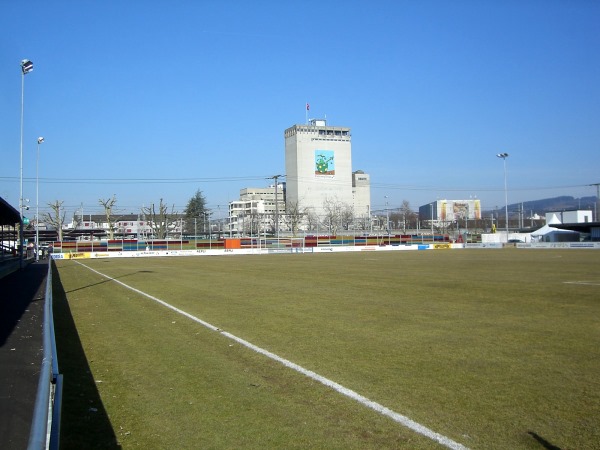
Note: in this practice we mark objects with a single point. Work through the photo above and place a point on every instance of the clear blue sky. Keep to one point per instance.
(157, 99)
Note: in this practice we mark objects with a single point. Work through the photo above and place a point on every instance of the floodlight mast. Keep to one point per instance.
(37, 200)
(504, 156)
(26, 67)
(276, 178)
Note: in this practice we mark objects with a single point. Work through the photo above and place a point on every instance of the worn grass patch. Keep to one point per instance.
(492, 348)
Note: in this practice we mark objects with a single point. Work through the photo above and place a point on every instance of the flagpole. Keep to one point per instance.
(306, 112)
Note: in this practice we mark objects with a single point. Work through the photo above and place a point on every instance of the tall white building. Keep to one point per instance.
(256, 209)
(361, 191)
(318, 165)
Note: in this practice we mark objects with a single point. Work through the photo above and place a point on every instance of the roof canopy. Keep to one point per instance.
(8, 214)
(585, 227)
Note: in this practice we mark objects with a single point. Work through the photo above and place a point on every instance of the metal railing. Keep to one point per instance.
(45, 425)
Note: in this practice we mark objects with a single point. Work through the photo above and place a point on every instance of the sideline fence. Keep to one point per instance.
(126, 245)
(45, 426)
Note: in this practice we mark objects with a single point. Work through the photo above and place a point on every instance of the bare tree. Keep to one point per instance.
(363, 222)
(347, 216)
(333, 209)
(311, 218)
(403, 217)
(295, 214)
(56, 219)
(269, 222)
(108, 205)
(252, 223)
(159, 220)
(407, 214)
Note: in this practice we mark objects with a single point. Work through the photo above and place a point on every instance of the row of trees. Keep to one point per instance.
(335, 216)
(339, 216)
(157, 216)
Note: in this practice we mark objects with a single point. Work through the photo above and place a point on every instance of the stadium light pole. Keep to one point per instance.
(276, 178)
(37, 200)
(26, 67)
(504, 156)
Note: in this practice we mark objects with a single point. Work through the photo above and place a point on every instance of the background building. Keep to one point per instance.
(256, 209)
(578, 216)
(361, 192)
(318, 165)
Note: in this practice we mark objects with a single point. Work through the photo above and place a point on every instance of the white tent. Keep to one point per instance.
(551, 234)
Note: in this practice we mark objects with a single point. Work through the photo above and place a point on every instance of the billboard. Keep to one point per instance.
(453, 210)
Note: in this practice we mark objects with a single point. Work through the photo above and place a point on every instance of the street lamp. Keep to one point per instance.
(37, 200)
(504, 156)
(26, 67)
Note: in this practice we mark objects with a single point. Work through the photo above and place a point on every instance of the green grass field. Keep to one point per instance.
(491, 348)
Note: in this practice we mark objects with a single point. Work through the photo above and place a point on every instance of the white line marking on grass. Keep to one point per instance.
(399, 418)
(585, 283)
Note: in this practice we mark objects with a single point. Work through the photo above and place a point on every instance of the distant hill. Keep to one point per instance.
(541, 207)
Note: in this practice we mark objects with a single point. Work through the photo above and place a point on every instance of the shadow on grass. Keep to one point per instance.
(107, 280)
(547, 445)
(85, 423)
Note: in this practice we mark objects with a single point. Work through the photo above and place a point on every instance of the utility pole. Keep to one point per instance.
(504, 156)
(276, 178)
(521, 216)
(597, 199)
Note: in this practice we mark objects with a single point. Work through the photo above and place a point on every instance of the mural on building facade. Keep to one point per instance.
(324, 163)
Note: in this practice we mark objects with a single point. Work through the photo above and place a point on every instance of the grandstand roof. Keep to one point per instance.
(585, 227)
(8, 214)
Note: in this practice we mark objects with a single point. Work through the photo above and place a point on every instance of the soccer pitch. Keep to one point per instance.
(487, 348)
